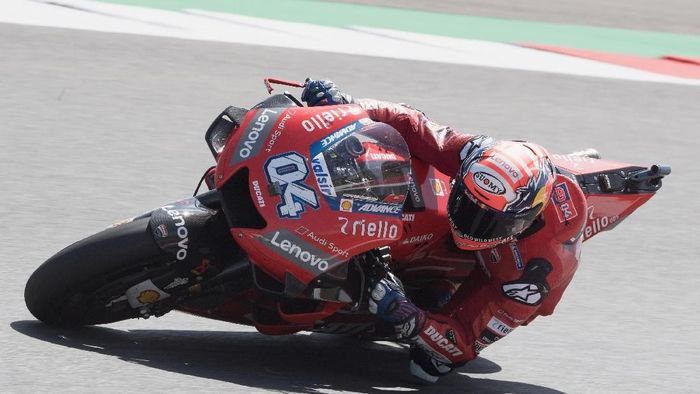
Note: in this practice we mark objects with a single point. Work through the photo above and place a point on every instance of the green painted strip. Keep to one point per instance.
(461, 26)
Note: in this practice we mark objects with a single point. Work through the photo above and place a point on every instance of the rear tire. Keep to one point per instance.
(74, 287)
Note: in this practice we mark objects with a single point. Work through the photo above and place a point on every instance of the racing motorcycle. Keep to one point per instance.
(305, 206)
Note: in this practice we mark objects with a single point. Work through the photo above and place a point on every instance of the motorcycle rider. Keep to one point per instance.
(508, 206)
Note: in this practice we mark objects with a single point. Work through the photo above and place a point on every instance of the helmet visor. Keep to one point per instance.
(477, 222)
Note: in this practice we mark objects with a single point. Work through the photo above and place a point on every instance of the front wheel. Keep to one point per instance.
(83, 283)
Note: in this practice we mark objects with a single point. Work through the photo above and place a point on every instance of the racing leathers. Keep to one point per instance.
(517, 282)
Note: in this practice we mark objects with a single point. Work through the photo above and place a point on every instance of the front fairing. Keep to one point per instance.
(327, 183)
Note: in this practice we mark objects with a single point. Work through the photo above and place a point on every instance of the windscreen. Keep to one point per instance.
(364, 171)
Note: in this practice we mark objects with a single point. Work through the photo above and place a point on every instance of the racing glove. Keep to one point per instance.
(388, 301)
(323, 92)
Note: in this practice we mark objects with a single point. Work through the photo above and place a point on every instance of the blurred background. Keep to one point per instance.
(103, 111)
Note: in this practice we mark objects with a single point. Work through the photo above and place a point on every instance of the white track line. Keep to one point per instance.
(356, 40)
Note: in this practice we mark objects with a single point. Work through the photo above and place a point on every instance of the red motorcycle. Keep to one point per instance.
(305, 206)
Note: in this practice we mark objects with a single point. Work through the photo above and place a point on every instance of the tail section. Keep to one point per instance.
(613, 190)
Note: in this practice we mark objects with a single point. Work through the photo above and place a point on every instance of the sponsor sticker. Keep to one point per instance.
(509, 168)
(181, 231)
(438, 186)
(450, 334)
(415, 195)
(561, 193)
(258, 194)
(325, 119)
(346, 204)
(339, 135)
(488, 336)
(418, 239)
(148, 296)
(323, 177)
(275, 135)
(478, 346)
(144, 293)
(296, 250)
(562, 202)
(365, 228)
(525, 293)
(499, 327)
(161, 231)
(254, 135)
(598, 224)
(382, 156)
(335, 136)
(385, 209)
(488, 183)
(333, 248)
(517, 257)
(442, 342)
(532, 287)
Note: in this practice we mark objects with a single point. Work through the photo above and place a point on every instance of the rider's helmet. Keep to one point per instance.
(500, 190)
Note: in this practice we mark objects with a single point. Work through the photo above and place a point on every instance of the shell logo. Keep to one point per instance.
(346, 205)
(148, 296)
(438, 186)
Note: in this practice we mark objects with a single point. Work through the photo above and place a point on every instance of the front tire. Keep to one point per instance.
(75, 286)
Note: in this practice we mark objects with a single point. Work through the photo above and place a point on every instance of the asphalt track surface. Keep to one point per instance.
(96, 127)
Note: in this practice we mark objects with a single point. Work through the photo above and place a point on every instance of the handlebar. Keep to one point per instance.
(648, 179)
(269, 81)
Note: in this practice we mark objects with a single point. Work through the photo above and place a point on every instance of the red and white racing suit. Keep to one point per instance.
(519, 280)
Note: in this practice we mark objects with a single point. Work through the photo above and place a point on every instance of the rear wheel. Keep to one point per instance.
(85, 283)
